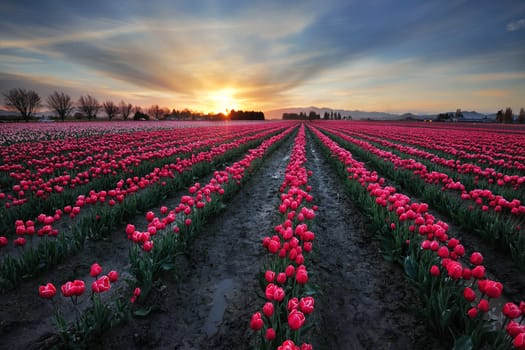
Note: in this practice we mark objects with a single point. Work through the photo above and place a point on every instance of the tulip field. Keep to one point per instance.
(262, 235)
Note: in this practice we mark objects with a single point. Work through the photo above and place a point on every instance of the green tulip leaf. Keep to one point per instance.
(411, 268)
(142, 312)
(168, 266)
(463, 343)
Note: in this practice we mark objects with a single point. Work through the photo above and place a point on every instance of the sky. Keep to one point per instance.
(212, 56)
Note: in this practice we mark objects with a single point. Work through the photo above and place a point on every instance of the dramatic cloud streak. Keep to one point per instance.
(513, 26)
(267, 54)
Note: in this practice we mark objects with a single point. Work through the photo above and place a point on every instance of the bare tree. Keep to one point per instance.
(521, 116)
(125, 109)
(499, 116)
(111, 109)
(89, 105)
(508, 116)
(24, 101)
(61, 103)
(155, 111)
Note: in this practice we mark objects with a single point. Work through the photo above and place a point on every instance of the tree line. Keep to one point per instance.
(27, 103)
(312, 115)
(508, 116)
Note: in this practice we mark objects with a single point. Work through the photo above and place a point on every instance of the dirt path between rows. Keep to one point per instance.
(210, 305)
(366, 302)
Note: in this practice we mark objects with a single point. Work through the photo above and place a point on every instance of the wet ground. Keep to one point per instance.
(364, 301)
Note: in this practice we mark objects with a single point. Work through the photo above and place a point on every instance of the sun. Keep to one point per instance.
(223, 101)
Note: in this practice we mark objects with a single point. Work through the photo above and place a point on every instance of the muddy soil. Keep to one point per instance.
(365, 302)
(211, 302)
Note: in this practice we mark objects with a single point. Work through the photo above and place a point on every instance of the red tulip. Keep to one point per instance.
(130, 229)
(443, 252)
(469, 294)
(270, 334)
(472, 312)
(307, 246)
(256, 322)
(269, 291)
(493, 289)
(95, 270)
(434, 270)
(268, 309)
(483, 305)
(101, 285)
(281, 278)
(147, 246)
(278, 294)
(301, 276)
(273, 246)
(467, 273)
(478, 272)
(514, 328)
(519, 341)
(269, 276)
(476, 258)
(21, 230)
(511, 310)
(288, 345)
(455, 270)
(306, 346)
(293, 304)
(289, 271)
(296, 319)
(75, 288)
(113, 276)
(3, 241)
(47, 291)
(459, 250)
(306, 305)
(19, 242)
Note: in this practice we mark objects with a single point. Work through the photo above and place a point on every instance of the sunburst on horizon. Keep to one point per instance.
(223, 101)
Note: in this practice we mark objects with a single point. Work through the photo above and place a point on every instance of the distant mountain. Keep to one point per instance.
(356, 115)
(473, 115)
(363, 115)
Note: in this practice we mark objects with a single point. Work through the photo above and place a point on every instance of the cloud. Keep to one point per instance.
(269, 53)
(516, 25)
(493, 93)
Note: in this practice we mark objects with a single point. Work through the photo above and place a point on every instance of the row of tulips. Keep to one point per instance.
(282, 322)
(468, 176)
(501, 225)
(154, 250)
(106, 215)
(454, 289)
(17, 133)
(130, 155)
(486, 146)
(132, 185)
(484, 198)
(150, 257)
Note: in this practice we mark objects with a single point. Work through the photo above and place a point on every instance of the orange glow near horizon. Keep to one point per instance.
(223, 101)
